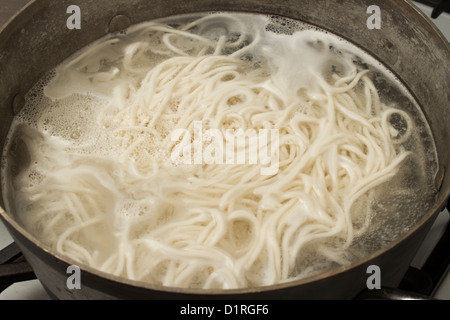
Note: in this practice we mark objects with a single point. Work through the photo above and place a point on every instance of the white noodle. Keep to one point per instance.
(215, 225)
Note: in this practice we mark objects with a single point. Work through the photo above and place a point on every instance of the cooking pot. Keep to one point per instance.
(39, 38)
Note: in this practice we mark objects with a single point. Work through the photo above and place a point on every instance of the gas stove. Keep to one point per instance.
(428, 274)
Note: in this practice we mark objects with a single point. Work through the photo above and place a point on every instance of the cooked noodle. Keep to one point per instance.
(218, 225)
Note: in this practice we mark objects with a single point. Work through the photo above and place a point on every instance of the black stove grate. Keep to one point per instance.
(13, 267)
(428, 279)
(439, 6)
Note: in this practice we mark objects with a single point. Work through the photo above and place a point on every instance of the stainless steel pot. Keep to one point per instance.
(37, 39)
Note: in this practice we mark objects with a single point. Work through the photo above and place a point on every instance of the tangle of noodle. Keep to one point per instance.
(213, 225)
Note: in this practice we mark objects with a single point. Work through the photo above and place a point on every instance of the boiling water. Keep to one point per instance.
(73, 128)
